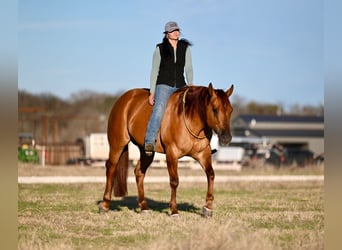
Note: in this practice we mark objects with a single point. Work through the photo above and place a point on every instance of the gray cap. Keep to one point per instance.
(171, 26)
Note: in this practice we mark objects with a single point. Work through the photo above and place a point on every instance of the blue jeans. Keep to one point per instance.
(161, 96)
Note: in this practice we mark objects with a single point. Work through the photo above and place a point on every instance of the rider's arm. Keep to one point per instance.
(188, 67)
(155, 69)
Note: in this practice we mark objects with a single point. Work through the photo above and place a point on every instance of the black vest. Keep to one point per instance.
(170, 72)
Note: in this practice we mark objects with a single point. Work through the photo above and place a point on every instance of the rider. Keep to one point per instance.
(170, 59)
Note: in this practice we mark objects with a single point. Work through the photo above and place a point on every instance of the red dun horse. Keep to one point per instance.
(192, 113)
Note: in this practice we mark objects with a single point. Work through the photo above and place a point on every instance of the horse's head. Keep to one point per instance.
(219, 112)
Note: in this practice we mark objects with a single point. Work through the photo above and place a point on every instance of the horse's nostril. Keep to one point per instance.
(225, 139)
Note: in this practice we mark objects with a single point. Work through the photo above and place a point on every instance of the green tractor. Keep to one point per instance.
(26, 148)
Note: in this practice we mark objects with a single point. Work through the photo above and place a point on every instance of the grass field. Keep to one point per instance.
(247, 215)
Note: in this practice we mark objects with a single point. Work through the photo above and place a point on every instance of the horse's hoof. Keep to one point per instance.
(103, 210)
(206, 212)
(145, 211)
(175, 215)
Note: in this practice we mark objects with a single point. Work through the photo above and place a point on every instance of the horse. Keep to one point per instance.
(191, 115)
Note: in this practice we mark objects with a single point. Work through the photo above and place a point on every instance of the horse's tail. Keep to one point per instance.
(121, 174)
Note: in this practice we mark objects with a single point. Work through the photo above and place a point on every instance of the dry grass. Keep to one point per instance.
(248, 215)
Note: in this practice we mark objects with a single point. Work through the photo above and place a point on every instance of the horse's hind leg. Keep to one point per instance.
(140, 171)
(111, 165)
(104, 205)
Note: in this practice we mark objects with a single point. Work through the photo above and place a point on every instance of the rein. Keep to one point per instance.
(186, 125)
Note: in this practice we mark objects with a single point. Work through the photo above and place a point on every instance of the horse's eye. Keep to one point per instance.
(215, 111)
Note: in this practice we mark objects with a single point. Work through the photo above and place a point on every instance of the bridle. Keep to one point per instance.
(186, 125)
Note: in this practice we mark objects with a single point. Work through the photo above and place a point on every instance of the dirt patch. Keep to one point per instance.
(63, 170)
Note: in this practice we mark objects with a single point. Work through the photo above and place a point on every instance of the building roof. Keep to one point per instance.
(282, 118)
(289, 133)
(278, 126)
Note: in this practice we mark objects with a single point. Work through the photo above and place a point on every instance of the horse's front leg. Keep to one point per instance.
(172, 167)
(207, 209)
(205, 161)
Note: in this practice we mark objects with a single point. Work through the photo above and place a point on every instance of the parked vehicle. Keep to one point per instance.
(319, 159)
(240, 150)
(27, 151)
(95, 149)
(298, 157)
(229, 154)
(290, 157)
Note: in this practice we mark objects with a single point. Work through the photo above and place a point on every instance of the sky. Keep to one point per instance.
(271, 50)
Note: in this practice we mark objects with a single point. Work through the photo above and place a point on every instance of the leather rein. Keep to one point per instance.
(186, 125)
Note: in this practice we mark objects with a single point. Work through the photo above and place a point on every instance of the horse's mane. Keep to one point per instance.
(197, 100)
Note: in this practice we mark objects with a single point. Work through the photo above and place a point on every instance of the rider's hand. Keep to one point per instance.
(151, 99)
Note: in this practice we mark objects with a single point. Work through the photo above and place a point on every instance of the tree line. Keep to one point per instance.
(52, 119)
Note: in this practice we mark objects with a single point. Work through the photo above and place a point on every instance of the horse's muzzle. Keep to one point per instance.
(224, 138)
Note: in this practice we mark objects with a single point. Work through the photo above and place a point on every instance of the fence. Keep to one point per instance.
(58, 154)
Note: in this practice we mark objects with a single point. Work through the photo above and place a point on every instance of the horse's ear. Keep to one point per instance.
(230, 90)
(211, 89)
